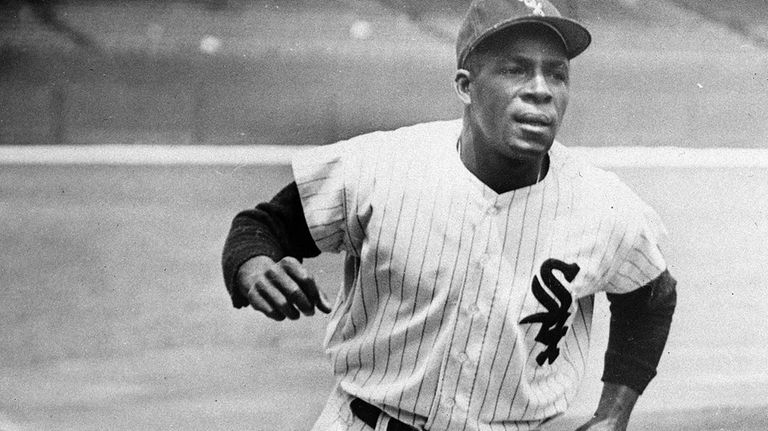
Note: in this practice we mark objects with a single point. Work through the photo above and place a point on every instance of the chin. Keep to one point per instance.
(530, 149)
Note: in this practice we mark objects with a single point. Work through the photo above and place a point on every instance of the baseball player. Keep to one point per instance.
(474, 249)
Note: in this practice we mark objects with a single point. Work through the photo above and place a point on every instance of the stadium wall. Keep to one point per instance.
(316, 88)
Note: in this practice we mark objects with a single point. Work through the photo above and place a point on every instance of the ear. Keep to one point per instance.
(461, 85)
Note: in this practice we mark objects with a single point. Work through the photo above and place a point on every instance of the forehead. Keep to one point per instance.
(526, 41)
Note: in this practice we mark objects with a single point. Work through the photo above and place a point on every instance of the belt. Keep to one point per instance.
(370, 415)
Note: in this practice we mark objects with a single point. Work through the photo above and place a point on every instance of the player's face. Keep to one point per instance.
(519, 93)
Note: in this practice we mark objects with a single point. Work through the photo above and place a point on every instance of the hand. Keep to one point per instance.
(613, 410)
(603, 424)
(278, 289)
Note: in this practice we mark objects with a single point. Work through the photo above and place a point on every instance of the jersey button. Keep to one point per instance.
(473, 309)
(462, 357)
(484, 259)
(492, 211)
(449, 402)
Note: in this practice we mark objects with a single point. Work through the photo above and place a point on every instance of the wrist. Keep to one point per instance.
(616, 403)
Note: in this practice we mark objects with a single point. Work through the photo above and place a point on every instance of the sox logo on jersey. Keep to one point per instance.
(463, 308)
(553, 321)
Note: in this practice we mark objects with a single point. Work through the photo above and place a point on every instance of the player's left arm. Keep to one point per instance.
(640, 322)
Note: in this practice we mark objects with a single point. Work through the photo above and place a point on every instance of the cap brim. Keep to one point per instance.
(575, 36)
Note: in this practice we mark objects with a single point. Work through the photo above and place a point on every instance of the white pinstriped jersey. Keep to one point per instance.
(463, 308)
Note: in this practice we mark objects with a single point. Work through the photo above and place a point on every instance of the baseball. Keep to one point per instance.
(210, 44)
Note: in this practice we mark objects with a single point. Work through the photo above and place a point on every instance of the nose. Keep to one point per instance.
(537, 89)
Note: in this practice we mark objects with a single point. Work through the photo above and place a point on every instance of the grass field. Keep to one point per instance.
(115, 316)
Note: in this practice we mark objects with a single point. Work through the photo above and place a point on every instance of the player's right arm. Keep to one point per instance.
(262, 257)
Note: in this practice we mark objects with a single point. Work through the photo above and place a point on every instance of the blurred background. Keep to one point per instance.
(113, 311)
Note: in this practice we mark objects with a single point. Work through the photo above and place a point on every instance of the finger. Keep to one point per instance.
(275, 298)
(587, 426)
(290, 290)
(324, 304)
(247, 289)
(260, 304)
(307, 283)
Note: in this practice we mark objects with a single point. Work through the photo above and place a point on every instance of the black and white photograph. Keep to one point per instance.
(383, 215)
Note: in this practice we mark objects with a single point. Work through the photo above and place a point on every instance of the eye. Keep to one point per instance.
(513, 70)
(559, 75)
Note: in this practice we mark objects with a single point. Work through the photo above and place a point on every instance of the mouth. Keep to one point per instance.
(534, 120)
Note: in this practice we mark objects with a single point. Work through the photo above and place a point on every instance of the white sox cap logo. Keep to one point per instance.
(536, 6)
(488, 17)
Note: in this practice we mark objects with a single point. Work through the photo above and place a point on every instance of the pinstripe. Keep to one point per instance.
(362, 282)
(642, 270)
(335, 206)
(594, 250)
(312, 195)
(436, 396)
(389, 294)
(645, 256)
(580, 309)
(453, 337)
(506, 312)
(525, 297)
(493, 303)
(383, 312)
(632, 280)
(585, 322)
(431, 302)
(402, 288)
(330, 223)
(605, 253)
(558, 195)
(378, 286)
(469, 333)
(357, 265)
(458, 305)
(578, 344)
(615, 253)
(648, 259)
(330, 235)
(418, 290)
(313, 180)
(398, 349)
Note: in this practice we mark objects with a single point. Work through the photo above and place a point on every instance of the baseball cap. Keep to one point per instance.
(488, 17)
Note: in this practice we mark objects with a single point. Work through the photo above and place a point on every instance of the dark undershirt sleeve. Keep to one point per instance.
(640, 322)
(276, 229)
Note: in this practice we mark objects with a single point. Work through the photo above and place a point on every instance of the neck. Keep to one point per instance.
(500, 173)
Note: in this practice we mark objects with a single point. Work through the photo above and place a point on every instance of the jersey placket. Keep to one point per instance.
(463, 354)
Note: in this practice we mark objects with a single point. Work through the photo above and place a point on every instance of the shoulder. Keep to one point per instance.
(629, 230)
(411, 138)
(407, 142)
(376, 155)
(597, 189)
